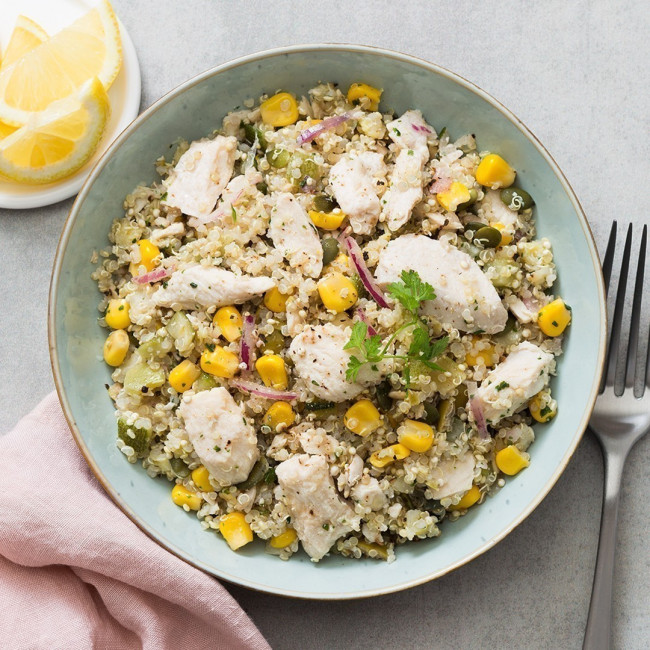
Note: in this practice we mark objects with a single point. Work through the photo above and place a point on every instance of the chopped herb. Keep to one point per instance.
(217, 448)
(164, 197)
(554, 323)
(269, 476)
(545, 411)
(233, 214)
(210, 346)
(501, 386)
(397, 132)
(193, 285)
(409, 152)
(326, 526)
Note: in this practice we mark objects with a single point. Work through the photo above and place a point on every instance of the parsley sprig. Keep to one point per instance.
(410, 292)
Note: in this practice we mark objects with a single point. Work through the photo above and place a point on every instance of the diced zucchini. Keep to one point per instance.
(181, 330)
(140, 379)
(136, 437)
(204, 382)
(155, 348)
(179, 468)
(257, 474)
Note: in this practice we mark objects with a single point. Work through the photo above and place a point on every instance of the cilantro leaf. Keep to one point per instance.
(354, 365)
(411, 291)
(233, 213)
(357, 337)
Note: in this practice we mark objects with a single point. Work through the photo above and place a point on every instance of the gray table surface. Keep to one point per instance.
(576, 74)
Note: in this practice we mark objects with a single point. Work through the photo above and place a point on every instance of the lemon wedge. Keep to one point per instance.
(26, 36)
(6, 129)
(90, 47)
(58, 141)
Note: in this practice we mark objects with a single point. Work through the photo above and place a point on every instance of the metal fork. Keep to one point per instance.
(620, 418)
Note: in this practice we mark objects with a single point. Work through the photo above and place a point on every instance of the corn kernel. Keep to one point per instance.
(230, 322)
(279, 414)
(181, 496)
(220, 362)
(554, 317)
(235, 530)
(493, 171)
(389, 455)
(358, 90)
(284, 539)
(279, 110)
(201, 478)
(327, 220)
(481, 352)
(416, 436)
(149, 257)
(453, 197)
(362, 418)
(183, 376)
(116, 347)
(469, 499)
(337, 292)
(511, 461)
(506, 237)
(542, 407)
(273, 371)
(275, 301)
(117, 314)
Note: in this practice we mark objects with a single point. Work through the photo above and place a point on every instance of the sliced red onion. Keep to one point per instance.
(248, 341)
(263, 391)
(364, 273)
(364, 319)
(421, 129)
(152, 276)
(479, 417)
(440, 185)
(328, 123)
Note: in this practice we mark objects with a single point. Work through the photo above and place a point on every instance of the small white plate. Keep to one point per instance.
(124, 95)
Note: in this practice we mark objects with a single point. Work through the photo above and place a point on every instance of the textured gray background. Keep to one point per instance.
(576, 74)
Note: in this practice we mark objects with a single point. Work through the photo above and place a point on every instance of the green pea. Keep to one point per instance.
(278, 158)
(256, 476)
(516, 198)
(330, 249)
(262, 187)
(487, 237)
(473, 195)
(274, 342)
(431, 414)
(384, 400)
(324, 203)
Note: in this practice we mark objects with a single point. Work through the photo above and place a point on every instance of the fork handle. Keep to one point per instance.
(599, 623)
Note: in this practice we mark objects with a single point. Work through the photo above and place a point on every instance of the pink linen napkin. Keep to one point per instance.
(75, 572)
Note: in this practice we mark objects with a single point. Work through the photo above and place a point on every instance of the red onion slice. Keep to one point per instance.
(418, 128)
(479, 417)
(152, 276)
(440, 185)
(248, 341)
(364, 273)
(262, 391)
(328, 123)
(364, 319)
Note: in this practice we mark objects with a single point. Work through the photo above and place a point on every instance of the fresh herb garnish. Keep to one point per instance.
(233, 214)
(501, 386)
(269, 476)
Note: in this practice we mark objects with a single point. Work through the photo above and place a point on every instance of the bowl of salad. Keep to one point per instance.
(334, 326)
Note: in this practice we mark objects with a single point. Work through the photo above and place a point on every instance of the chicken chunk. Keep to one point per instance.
(465, 298)
(369, 494)
(163, 235)
(354, 182)
(456, 475)
(410, 131)
(405, 189)
(200, 176)
(319, 358)
(493, 209)
(294, 235)
(208, 286)
(318, 513)
(223, 440)
(508, 386)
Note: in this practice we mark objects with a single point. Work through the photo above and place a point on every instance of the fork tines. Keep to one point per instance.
(626, 363)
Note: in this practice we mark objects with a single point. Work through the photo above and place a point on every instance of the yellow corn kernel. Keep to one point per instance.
(362, 418)
(327, 220)
(230, 322)
(149, 257)
(181, 496)
(481, 352)
(117, 314)
(506, 237)
(279, 414)
(358, 90)
(276, 301)
(279, 110)
(235, 530)
(373, 550)
(542, 407)
(115, 348)
(201, 478)
(469, 499)
(273, 371)
(554, 317)
(493, 171)
(342, 261)
(220, 362)
(284, 539)
(416, 436)
(389, 455)
(453, 197)
(183, 376)
(511, 461)
(337, 292)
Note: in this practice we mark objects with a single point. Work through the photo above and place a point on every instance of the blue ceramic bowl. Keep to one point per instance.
(195, 109)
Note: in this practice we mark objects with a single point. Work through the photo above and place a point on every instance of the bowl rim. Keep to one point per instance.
(145, 115)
